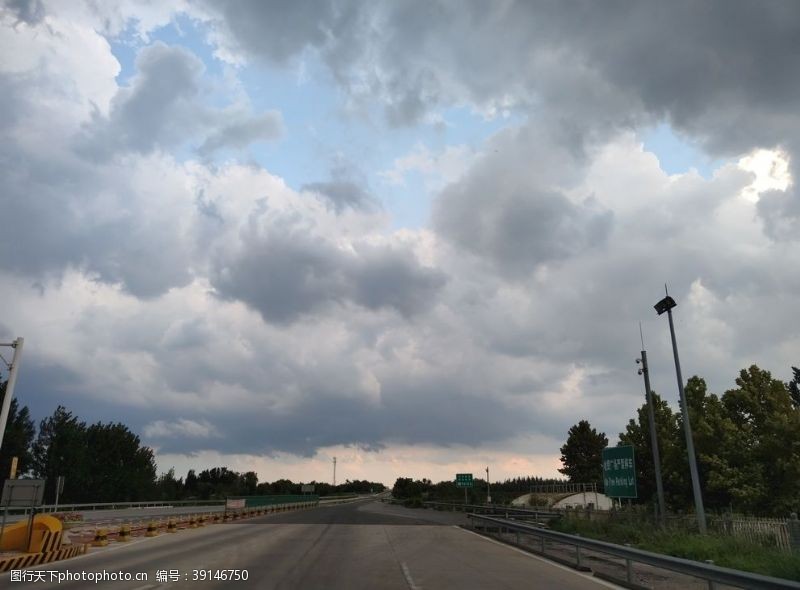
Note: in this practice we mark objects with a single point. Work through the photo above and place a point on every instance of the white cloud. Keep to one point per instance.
(181, 428)
(770, 169)
(262, 322)
(438, 168)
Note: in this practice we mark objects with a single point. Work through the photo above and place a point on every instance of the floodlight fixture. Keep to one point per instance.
(665, 305)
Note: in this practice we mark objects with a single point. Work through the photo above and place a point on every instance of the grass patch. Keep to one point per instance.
(725, 551)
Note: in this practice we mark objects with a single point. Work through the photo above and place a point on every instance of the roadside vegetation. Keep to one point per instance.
(747, 443)
(725, 551)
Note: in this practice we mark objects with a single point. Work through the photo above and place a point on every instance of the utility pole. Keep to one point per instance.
(13, 369)
(488, 488)
(667, 304)
(653, 435)
(334, 472)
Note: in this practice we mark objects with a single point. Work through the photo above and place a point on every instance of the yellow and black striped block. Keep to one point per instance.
(26, 560)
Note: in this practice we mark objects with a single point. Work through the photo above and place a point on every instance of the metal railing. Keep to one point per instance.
(711, 573)
(89, 506)
(508, 511)
(46, 508)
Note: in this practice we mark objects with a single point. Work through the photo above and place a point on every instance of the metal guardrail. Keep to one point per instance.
(490, 509)
(711, 573)
(88, 506)
(47, 508)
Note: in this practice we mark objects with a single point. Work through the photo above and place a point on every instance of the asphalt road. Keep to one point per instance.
(365, 544)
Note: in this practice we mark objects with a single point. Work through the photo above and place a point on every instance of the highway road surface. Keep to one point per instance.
(364, 544)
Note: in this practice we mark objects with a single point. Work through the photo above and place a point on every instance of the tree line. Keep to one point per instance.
(106, 462)
(416, 491)
(747, 443)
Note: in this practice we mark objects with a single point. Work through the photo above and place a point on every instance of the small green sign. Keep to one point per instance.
(619, 472)
(463, 480)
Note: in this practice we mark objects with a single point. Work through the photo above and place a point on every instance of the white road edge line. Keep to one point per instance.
(542, 559)
(409, 579)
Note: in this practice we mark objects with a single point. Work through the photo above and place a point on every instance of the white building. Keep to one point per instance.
(595, 500)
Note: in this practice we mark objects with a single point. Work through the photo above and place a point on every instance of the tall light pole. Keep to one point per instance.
(653, 436)
(334, 472)
(667, 304)
(13, 369)
(488, 488)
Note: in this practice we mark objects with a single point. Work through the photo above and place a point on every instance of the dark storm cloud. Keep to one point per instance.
(163, 107)
(323, 420)
(30, 12)
(345, 189)
(510, 208)
(725, 73)
(124, 249)
(286, 274)
(342, 194)
(273, 29)
(327, 371)
(240, 134)
(157, 108)
(523, 229)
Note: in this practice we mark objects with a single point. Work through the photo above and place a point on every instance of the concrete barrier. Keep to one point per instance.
(45, 536)
(100, 538)
(25, 560)
(124, 533)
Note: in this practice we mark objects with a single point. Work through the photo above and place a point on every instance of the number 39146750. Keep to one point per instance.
(224, 575)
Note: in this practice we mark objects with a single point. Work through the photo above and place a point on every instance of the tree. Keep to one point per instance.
(406, 488)
(60, 449)
(248, 483)
(167, 487)
(17, 439)
(726, 475)
(121, 470)
(637, 434)
(190, 485)
(762, 412)
(794, 387)
(582, 454)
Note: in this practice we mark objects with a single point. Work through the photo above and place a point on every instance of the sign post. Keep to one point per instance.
(59, 490)
(619, 472)
(464, 480)
(22, 493)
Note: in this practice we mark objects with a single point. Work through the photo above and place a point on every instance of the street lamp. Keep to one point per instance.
(653, 436)
(13, 368)
(488, 488)
(666, 305)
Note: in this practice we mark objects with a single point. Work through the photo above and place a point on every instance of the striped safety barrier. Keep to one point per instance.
(25, 560)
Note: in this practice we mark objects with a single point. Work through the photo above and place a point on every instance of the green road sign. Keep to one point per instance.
(463, 480)
(619, 472)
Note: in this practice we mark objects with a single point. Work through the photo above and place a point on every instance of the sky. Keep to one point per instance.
(417, 236)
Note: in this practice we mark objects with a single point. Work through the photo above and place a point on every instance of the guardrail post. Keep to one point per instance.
(793, 527)
(711, 584)
(628, 568)
(578, 555)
